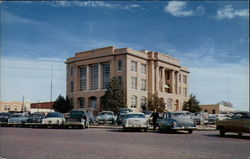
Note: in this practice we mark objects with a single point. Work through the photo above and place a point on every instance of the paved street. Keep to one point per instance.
(29, 143)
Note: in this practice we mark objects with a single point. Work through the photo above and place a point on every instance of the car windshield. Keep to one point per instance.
(147, 113)
(36, 115)
(123, 111)
(135, 116)
(17, 116)
(4, 115)
(179, 115)
(52, 115)
(76, 112)
(108, 113)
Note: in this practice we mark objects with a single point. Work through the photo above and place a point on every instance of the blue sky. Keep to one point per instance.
(211, 38)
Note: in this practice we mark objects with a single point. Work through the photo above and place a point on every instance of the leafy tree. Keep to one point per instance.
(63, 105)
(192, 105)
(156, 103)
(226, 103)
(113, 99)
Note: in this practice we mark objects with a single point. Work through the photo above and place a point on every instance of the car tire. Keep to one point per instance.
(222, 131)
(125, 129)
(240, 134)
(190, 131)
(145, 130)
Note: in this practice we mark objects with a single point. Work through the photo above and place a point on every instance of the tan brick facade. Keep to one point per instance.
(143, 73)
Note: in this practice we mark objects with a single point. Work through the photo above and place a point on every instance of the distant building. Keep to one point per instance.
(142, 74)
(216, 109)
(14, 106)
(41, 107)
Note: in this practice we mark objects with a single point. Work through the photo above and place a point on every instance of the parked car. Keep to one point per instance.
(135, 120)
(54, 119)
(35, 118)
(179, 120)
(91, 118)
(199, 118)
(18, 118)
(106, 117)
(239, 123)
(148, 115)
(121, 115)
(213, 118)
(4, 118)
(77, 118)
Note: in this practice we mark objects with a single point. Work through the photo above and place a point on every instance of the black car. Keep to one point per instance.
(4, 118)
(36, 118)
(77, 118)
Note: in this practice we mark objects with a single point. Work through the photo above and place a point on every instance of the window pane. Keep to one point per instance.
(94, 77)
(119, 65)
(105, 75)
(72, 86)
(83, 78)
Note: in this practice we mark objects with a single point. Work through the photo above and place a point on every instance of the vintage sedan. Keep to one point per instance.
(4, 118)
(179, 120)
(18, 119)
(135, 120)
(77, 118)
(106, 117)
(35, 118)
(121, 115)
(239, 123)
(54, 119)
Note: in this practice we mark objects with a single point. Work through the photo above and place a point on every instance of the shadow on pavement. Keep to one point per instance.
(232, 136)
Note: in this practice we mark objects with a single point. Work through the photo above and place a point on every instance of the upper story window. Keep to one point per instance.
(134, 66)
(94, 77)
(184, 79)
(169, 104)
(105, 75)
(71, 86)
(143, 84)
(72, 71)
(185, 92)
(119, 65)
(83, 78)
(133, 82)
(120, 79)
(179, 77)
(143, 68)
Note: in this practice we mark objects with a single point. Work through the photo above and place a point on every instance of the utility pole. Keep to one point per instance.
(23, 104)
(51, 84)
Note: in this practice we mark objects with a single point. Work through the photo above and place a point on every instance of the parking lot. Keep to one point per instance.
(39, 143)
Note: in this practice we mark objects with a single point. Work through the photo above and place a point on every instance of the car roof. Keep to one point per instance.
(107, 111)
(180, 112)
(135, 113)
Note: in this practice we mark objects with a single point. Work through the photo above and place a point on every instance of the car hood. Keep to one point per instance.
(22, 118)
(105, 116)
(136, 119)
(182, 121)
(54, 118)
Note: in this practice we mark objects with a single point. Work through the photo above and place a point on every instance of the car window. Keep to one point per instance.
(16, 116)
(179, 115)
(135, 116)
(51, 115)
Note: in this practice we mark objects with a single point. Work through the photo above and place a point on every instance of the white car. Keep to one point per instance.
(54, 119)
(135, 120)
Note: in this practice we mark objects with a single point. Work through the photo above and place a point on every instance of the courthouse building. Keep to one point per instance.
(142, 74)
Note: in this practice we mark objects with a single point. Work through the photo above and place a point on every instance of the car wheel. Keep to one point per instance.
(190, 131)
(125, 129)
(145, 130)
(240, 134)
(222, 131)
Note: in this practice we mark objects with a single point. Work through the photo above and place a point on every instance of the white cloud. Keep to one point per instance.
(32, 78)
(228, 12)
(93, 4)
(178, 8)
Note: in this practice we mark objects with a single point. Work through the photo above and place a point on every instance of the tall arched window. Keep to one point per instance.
(133, 102)
(81, 102)
(143, 102)
(169, 104)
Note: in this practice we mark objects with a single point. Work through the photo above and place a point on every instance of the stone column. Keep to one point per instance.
(163, 80)
(157, 79)
(87, 78)
(99, 77)
(173, 82)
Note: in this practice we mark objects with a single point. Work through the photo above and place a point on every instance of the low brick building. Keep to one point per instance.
(41, 107)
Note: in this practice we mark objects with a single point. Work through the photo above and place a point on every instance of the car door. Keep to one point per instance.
(235, 124)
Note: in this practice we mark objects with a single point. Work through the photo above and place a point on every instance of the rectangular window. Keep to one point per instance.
(143, 68)
(94, 77)
(143, 84)
(134, 66)
(185, 92)
(133, 82)
(71, 86)
(180, 90)
(179, 77)
(184, 79)
(119, 65)
(105, 75)
(168, 75)
(83, 78)
(72, 70)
